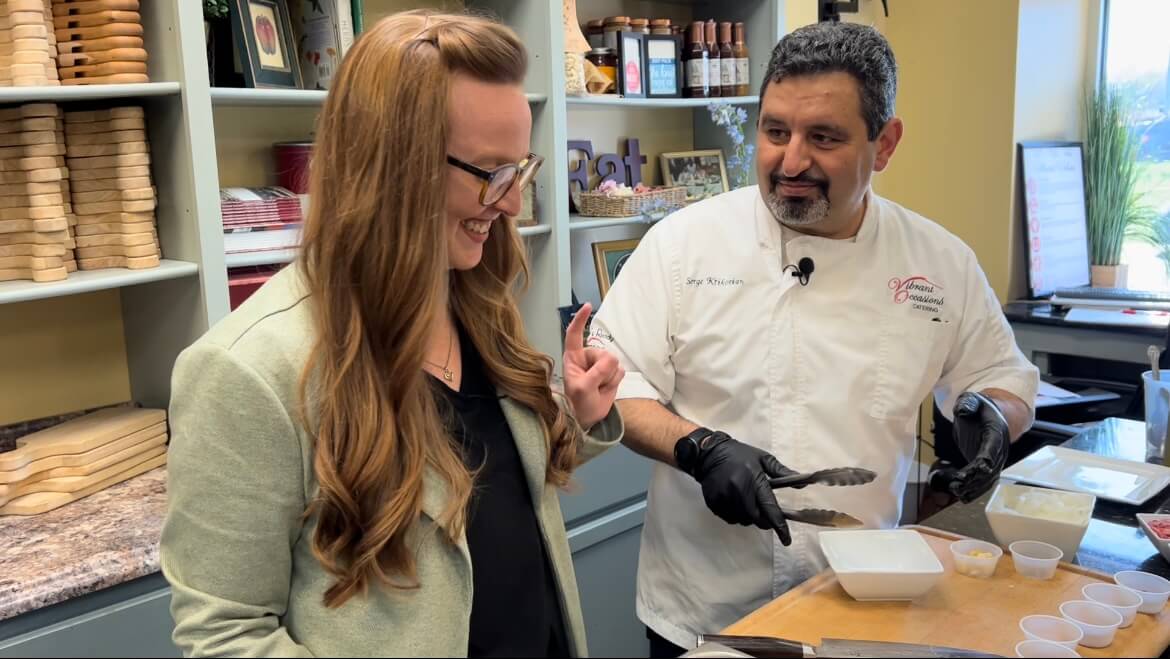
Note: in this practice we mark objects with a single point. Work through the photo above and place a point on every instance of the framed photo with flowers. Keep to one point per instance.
(263, 36)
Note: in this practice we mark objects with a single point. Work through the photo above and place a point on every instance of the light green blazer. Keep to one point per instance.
(234, 548)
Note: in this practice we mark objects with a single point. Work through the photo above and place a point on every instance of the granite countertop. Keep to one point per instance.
(1113, 541)
(100, 541)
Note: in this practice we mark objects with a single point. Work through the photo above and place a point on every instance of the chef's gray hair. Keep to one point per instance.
(858, 50)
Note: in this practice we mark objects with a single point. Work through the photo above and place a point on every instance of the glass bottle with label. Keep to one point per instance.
(743, 72)
(715, 69)
(695, 60)
(726, 61)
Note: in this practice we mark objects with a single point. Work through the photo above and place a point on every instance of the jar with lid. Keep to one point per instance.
(660, 26)
(606, 61)
(614, 25)
(595, 32)
(640, 25)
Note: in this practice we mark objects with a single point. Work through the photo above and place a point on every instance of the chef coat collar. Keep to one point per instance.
(769, 236)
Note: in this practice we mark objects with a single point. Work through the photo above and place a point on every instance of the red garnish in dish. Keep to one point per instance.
(1160, 527)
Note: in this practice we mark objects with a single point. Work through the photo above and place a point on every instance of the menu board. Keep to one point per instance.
(1054, 213)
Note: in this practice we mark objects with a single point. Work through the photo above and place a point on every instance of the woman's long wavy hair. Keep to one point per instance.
(374, 256)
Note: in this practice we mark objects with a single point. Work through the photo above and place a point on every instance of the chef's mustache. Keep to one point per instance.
(804, 177)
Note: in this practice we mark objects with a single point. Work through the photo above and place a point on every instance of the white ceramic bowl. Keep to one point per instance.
(881, 564)
(1043, 649)
(974, 566)
(1162, 544)
(1035, 559)
(1153, 589)
(1052, 629)
(1099, 622)
(1022, 512)
(1119, 598)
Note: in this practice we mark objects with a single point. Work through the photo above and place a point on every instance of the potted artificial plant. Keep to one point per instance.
(1111, 173)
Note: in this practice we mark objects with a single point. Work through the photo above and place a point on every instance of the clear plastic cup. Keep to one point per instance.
(1034, 559)
(1051, 629)
(1153, 589)
(1043, 649)
(975, 565)
(1097, 621)
(1119, 598)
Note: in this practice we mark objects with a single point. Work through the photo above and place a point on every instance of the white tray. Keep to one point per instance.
(1123, 481)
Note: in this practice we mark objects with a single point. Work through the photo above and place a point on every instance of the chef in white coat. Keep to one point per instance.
(798, 325)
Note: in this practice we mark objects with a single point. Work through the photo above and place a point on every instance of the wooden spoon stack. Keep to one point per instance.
(67, 462)
(99, 42)
(34, 228)
(111, 188)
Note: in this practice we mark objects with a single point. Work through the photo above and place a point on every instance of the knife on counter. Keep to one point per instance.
(767, 646)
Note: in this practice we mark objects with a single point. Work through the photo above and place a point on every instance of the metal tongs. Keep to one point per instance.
(840, 476)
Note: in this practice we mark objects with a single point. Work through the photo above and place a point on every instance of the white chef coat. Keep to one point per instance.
(705, 320)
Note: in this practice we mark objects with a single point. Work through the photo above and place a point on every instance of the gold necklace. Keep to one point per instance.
(447, 374)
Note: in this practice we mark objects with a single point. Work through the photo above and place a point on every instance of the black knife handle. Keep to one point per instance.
(759, 646)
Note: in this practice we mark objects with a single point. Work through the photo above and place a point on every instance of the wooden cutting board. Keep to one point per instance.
(79, 435)
(50, 464)
(70, 479)
(35, 504)
(960, 611)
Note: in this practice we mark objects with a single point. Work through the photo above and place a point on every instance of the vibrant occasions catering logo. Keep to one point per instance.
(920, 292)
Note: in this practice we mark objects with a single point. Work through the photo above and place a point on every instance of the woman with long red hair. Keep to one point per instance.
(365, 455)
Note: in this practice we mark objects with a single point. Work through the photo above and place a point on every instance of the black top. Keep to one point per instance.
(515, 608)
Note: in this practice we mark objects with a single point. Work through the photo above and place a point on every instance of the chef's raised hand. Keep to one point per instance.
(983, 437)
(734, 477)
(592, 375)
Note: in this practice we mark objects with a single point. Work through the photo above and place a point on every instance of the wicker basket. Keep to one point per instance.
(598, 204)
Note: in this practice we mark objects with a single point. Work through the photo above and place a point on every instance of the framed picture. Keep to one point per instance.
(702, 173)
(263, 36)
(662, 66)
(631, 75)
(609, 257)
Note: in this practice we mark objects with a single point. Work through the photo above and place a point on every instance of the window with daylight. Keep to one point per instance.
(1135, 59)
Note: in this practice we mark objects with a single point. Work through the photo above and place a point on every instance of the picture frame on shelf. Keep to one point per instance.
(608, 259)
(262, 32)
(631, 71)
(703, 173)
(663, 66)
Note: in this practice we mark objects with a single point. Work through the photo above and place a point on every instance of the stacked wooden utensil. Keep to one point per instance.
(99, 42)
(67, 462)
(113, 196)
(28, 54)
(35, 241)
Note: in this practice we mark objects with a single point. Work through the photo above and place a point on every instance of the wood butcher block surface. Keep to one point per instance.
(960, 611)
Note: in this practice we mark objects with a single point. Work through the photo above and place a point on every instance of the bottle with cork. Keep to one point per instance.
(727, 61)
(715, 74)
(743, 72)
(695, 57)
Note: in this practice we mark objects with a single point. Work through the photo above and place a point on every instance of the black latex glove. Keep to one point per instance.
(735, 477)
(983, 437)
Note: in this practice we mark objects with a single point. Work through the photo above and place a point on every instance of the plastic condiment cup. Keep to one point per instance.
(974, 566)
(1051, 629)
(1043, 649)
(1035, 559)
(1097, 621)
(1121, 599)
(1153, 589)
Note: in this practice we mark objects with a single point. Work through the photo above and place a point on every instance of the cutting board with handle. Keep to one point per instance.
(71, 479)
(960, 611)
(35, 504)
(49, 466)
(79, 435)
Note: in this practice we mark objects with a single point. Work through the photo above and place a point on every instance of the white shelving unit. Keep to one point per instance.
(65, 94)
(270, 257)
(582, 222)
(611, 100)
(232, 96)
(86, 281)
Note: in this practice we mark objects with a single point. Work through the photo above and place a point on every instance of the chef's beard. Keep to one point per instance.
(798, 211)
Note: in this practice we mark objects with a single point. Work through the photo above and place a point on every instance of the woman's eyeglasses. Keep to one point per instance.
(497, 182)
